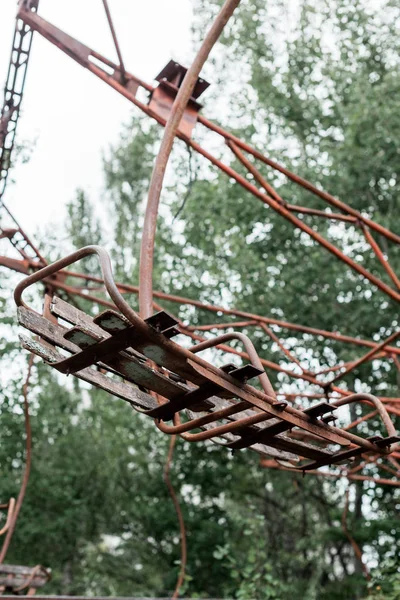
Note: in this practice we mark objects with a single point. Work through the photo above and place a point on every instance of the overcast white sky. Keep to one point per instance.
(72, 115)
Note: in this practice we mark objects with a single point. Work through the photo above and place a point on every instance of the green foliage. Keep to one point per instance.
(250, 570)
(385, 583)
(83, 227)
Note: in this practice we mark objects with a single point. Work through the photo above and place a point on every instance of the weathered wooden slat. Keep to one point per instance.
(19, 570)
(130, 367)
(283, 442)
(94, 353)
(51, 332)
(174, 361)
(14, 576)
(152, 351)
(73, 315)
(76, 317)
(124, 391)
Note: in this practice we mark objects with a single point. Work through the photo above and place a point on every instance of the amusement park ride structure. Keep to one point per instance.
(133, 356)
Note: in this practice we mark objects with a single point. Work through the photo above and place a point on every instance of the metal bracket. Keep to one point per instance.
(162, 98)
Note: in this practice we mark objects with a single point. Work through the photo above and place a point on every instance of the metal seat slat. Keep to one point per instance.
(129, 367)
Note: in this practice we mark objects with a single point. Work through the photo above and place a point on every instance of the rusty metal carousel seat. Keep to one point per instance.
(17, 579)
(136, 360)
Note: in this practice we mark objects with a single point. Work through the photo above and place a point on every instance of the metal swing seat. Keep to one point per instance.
(18, 579)
(136, 360)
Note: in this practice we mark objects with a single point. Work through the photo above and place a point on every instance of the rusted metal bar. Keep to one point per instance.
(393, 410)
(178, 510)
(217, 326)
(342, 365)
(373, 460)
(277, 341)
(358, 467)
(299, 180)
(366, 357)
(266, 363)
(10, 506)
(366, 417)
(282, 210)
(124, 287)
(370, 399)
(272, 464)
(19, 266)
(234, 428)
(171, 128)
(83, 55)
(293, 207)
(394, 462)
(396, 361)
(303, 210)
(379, 463)
(250, 351)
(223, 413)
(379, 254)
(114, 36)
